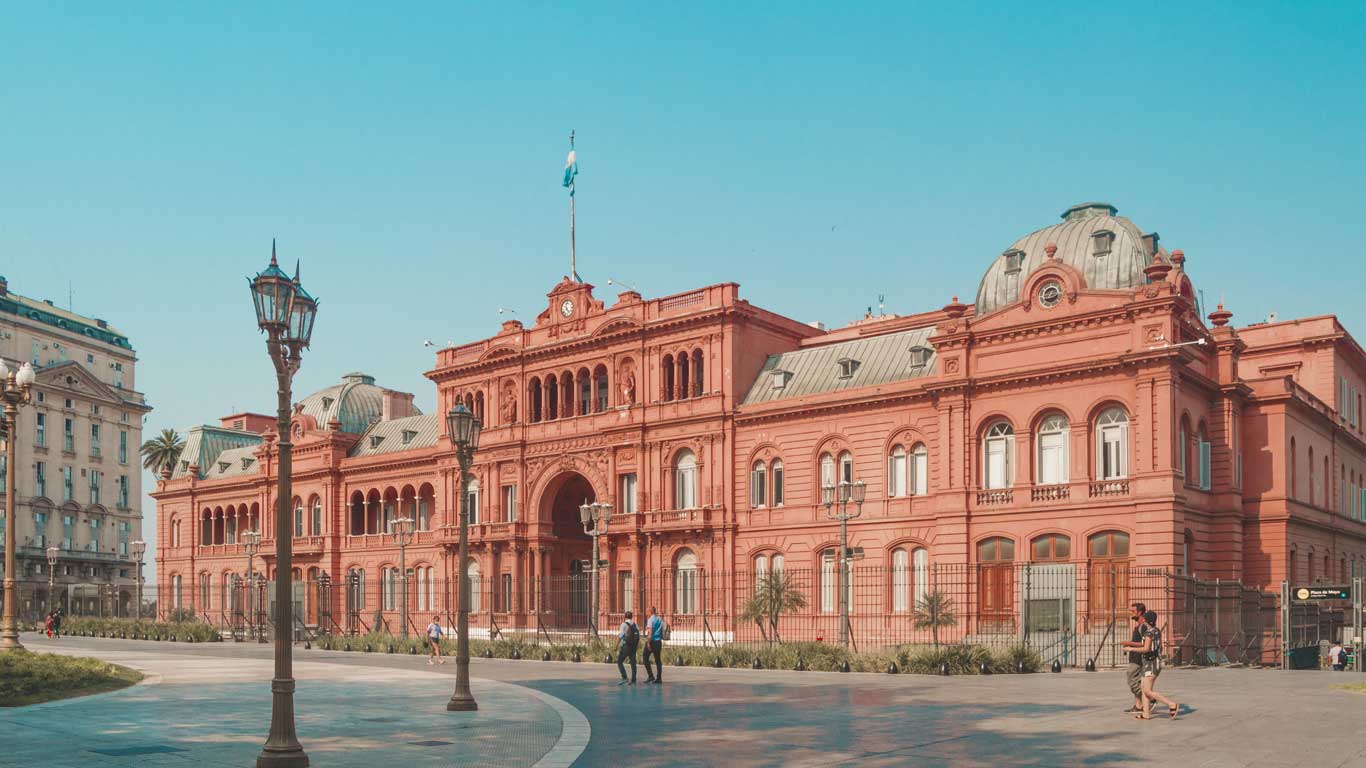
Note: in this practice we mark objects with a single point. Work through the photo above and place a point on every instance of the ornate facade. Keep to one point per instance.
(1081, 411)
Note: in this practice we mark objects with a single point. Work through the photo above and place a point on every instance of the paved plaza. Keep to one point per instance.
(211, 703)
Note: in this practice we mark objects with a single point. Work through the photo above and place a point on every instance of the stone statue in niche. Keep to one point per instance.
(628, 385)
(508, 412)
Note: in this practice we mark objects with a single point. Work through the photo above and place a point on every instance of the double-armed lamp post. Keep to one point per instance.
(463, 429)
(52, 553)
(402, 530)
(285, 313)
(836, 499)
(251, 544)
(16, 389)
(594, 516)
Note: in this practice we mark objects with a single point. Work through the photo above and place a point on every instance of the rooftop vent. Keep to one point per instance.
(1087, 210)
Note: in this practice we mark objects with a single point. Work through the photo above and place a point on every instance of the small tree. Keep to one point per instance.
(932, 611)
(163, 451)
(775, 593)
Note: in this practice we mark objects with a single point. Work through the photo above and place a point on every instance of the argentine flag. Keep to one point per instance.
(571, 169)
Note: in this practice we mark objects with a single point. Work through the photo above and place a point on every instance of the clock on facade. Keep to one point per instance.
(1050, 294)
(567, 308)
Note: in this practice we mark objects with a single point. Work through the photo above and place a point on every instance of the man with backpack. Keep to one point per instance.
(628, 639)
(654, 646)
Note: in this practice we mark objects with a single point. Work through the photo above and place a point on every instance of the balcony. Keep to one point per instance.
(996, 497)
(1047, 493)
(1107, 488)
(681, 519)
(72, 554)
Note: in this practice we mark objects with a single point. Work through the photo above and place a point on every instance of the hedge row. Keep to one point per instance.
(132, 629)
(916, 659)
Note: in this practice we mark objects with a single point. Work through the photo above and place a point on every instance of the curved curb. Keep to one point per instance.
(575, 730)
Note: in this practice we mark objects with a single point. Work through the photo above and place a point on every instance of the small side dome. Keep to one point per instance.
(1107, 249)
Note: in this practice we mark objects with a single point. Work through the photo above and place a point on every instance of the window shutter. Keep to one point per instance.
(1204, 465)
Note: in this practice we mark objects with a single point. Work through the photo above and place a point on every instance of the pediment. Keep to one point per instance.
(72, 377)
(499, 351)
(619, 325)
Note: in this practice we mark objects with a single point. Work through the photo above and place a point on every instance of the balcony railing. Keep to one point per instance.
(1050, 492)
(1110, 488)
(995, 497)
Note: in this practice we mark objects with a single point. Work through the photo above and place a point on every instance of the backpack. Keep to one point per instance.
(664, 633)
(632, 634)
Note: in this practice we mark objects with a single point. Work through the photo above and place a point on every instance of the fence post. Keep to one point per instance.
(1285, 625)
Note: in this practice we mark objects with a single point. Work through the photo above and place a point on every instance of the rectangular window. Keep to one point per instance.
(123, 491)
(472, 503)
(896, 472)
(68, 485)
(1204, 464)
(40, 436)
(94, 439)
(69, 435)
(1114, 460)
(997, 464)
(204, 591)
(94, 545)
(921, 473)
(777, 483)
(124, 530)
(40, 530)
(34, 351)
(626, 596)
(627, 499)
(758, 485)
(123, 446)
(299, 521)
(95, 477)
(317, 521)
(40, 479)
(1053, 458)
(510, 503)
(506, 593)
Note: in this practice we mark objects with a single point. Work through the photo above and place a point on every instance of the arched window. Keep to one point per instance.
(1313, 479)
(600, 388)
(758, 485)
(1051, 451)
(1050, 547)
(846, 467)
(206, 529)
(1202, 457)
(685, 582)
(1183, 444)
(897, 481)
(476, 585)
(1109, 545)
(685, 480)
(357, 514)
(920, 576)
(533, 398)
(317, 521)
(901, 581)
(422, 577)
(697, 381)
(920, 470)
(389, 588)
(175, 593)
(666, 370)
(584, 384)
(204, 592)
(760, 570)
(684, 383)
(425, 503)
(1294, 486)
(298, 518)
(998, 451)
(1112, 444)
(552, 397)
(829, 582)
(996, 550)
(776, 470)
(827, 473)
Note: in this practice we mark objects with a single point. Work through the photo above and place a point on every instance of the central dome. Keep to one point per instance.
(1107, 249)
(355, 402)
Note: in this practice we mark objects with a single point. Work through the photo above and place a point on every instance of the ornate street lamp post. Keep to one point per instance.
(402, 530)
(464, 430)
(251, 544)
(594, 517)
(51, 575)
(836, 500)
(16, 389)
(139, 549)
(285, 313)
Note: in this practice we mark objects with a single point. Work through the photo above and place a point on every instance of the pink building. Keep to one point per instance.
(1080, 418)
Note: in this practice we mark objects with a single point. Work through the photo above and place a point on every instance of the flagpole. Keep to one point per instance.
(573, 270)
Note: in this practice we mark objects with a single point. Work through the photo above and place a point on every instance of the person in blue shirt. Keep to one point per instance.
(434, 633)
(654, 646)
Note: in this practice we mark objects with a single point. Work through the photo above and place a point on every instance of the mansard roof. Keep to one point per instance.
(204, 444)
(356, 402)
(396, 435)
(852, 364)
(234, 462)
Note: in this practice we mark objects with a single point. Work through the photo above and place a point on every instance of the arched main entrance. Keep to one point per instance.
(567, 579)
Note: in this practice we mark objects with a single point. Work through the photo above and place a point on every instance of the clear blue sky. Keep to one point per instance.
(412, 160)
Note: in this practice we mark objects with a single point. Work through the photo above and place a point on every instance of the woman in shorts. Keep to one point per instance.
(434, 633)
(1152, 667)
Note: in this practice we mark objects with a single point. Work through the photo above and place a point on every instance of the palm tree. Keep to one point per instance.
(163, 451)
(774, 594)
(932, 611)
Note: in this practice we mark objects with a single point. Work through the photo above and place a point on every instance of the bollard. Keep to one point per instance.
(412, 650)
(607, 659)
(545, 656)
(891, 668)
(679, 661)
(391, 647)
(944, 669)
(983, 668)
(1057, 666)
(716, 662)
(757, 664)
(801, 664)
(577, 657)
(516, 655)
(1020, 667)
(1090, 665)
(308, 646)
(346, 646)
(488, 653)
(845, 666)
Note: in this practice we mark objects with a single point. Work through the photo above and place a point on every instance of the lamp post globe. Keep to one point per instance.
(285, 313)
(463, 428)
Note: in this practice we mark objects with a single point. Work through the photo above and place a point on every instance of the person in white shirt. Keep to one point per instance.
(434, 633)
(1337, 656)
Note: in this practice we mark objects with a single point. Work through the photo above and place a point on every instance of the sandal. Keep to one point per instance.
(1174, 709)
(1141, 716)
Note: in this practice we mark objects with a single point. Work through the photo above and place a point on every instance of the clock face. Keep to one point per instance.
(567, 308)
(1050, 294)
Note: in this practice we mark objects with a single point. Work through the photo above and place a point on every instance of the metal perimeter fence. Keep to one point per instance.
(1071, 612)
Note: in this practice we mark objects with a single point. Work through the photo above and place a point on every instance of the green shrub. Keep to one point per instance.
(194, 631)
(29, 678)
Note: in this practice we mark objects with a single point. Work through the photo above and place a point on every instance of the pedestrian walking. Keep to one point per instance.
(434, 633)
(47, 625)
(57, 623)
(655, 628)
(628, 639)
(1152, 667)
(1133, 676)
(1337, 656)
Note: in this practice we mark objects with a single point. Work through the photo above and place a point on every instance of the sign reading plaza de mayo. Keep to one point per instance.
(1323, 593)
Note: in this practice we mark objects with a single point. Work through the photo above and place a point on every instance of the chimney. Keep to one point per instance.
(395, 405)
